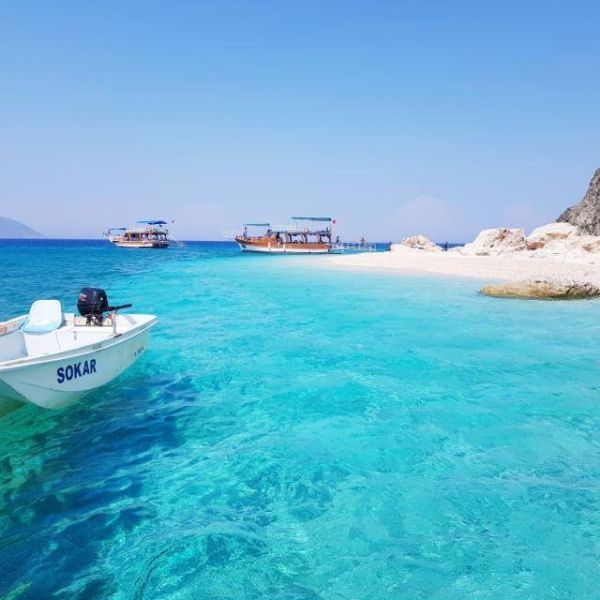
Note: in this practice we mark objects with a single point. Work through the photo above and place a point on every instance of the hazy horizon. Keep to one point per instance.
(392, 118)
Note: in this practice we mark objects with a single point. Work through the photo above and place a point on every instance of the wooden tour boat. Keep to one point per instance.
(149, 234)
(306, 235)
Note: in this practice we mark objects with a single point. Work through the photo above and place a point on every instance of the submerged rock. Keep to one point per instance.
(543, 289)
(416, 242)
(586, 214)
(495, 241)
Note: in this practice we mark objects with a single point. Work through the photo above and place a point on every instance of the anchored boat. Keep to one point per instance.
(306, 235)
(51, 359)
(149, 234)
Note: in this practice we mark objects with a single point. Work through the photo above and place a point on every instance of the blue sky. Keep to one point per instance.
(393, 117)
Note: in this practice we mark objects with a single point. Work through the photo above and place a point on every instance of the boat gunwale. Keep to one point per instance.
(141, 245)
(272, 246)
(11, 325)
(112, 340)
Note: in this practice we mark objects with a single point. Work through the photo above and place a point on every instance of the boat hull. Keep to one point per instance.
(271, 247)
(58, 382)
(153, 244)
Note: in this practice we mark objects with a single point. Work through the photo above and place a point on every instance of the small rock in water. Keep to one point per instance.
(543, 289)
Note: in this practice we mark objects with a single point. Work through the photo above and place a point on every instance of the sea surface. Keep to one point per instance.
(296, 432)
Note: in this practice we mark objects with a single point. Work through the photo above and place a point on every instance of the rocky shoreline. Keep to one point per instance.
(560, 260)
(561, 240)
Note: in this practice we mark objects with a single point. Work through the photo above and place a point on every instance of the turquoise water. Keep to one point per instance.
(296, 433)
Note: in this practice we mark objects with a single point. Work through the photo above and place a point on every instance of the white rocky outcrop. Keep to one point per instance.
(555, 240)
(575, 248)
(561, 240)
(492, 242)
(552, 231)
(416, 242)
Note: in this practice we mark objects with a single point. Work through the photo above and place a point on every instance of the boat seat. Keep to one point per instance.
(44, 316)
(41, 345)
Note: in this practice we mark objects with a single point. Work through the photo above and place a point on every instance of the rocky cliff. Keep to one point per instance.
(586, 214)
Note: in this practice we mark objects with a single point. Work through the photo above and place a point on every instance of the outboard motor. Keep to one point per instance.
(93, 303)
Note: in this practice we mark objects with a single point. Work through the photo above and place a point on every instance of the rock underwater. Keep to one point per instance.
(543, 289)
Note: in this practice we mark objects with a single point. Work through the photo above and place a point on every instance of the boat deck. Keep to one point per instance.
(73, 335)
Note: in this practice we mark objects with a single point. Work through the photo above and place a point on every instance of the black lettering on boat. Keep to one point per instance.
(78, 369)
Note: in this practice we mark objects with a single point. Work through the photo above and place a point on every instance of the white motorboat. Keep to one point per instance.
(51, 359)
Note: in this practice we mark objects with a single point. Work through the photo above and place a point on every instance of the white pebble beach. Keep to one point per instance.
(509, 267)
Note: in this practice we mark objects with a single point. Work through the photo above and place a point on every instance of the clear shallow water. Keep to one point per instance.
(300, 433)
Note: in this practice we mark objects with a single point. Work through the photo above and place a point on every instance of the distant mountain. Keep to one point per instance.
(9, 228)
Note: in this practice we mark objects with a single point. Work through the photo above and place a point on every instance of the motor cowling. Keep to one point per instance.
(92, 302)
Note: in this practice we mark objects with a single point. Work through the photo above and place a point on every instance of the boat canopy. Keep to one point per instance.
(324, 219)
(257, 225)
(296, 230)
(117, 228)
(153, 222)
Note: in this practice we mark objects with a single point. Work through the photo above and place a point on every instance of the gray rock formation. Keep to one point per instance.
(586, 214)
(543, 289)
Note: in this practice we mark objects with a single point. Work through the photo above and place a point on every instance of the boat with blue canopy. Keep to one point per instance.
(145, 234)
(305, 235)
